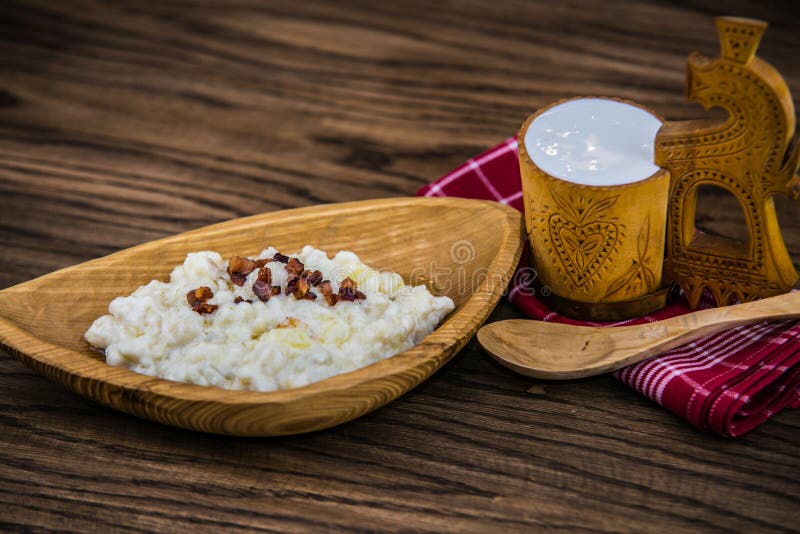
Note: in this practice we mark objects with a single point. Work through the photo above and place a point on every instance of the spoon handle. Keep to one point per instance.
(672, 333)
(705, 322)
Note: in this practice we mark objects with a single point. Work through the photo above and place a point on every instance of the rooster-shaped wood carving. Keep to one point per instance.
(745, 154)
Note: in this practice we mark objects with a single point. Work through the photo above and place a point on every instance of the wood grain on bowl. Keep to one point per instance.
(465, 248)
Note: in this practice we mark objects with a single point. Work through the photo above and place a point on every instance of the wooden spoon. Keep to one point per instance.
(559, 352)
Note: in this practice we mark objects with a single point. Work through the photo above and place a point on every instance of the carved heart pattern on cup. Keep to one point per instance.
(585, 248)
(581, 236)
(582, 249)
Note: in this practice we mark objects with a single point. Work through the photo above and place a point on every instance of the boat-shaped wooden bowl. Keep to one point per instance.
(466, 249)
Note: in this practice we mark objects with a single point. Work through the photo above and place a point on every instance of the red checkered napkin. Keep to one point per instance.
(728, 383)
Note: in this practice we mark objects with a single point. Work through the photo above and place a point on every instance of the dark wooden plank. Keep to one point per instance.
(121, 122)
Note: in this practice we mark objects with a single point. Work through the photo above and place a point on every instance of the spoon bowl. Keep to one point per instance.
(559, 352)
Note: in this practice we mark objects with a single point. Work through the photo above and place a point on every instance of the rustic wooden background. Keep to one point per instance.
(124, 121)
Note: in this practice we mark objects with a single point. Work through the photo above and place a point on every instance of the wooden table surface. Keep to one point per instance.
(121, 122)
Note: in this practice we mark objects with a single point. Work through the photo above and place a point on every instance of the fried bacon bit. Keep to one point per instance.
(262, 287)
(295, 266)
(280, 257)
(262, 290)
(197, 299)
(301, 288)
(291, 283)
(237, 300)
(300, 281)
(330, 297)
(265, 275)
(348, 290)
(239, 268)
(315, 277)
(276, 290)
(202, 294)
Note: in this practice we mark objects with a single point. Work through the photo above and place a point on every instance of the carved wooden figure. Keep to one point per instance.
(745, 154)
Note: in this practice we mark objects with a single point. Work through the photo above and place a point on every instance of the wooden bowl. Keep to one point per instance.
(467, 249)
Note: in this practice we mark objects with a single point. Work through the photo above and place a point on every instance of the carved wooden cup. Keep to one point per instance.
(598, 249)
